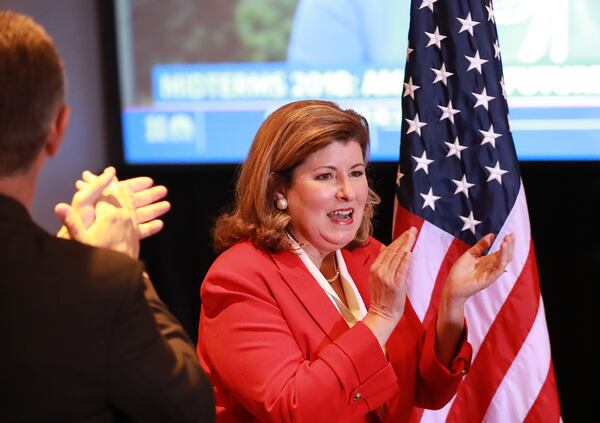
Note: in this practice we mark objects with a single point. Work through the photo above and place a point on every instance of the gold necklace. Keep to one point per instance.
(336, 275)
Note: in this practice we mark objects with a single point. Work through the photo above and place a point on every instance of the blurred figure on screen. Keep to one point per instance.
(346, 32)
(349, 32)
(304, 315)
(84, 335)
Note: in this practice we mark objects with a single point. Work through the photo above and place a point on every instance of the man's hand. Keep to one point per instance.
(146, 201)
(102, 214)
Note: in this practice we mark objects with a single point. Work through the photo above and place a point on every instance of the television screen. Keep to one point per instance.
(198, 77)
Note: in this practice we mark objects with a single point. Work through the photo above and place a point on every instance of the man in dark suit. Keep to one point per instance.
(83, 335)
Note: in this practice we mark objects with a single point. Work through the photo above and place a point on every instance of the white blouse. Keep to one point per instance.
(356, 309)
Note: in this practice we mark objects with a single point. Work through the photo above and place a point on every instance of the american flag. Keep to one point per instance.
(459, 179)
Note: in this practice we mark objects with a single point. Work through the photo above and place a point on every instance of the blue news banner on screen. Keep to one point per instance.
(207, 113)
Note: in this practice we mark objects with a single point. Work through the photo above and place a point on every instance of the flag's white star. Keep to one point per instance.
(435, 38)
(441, 74)
(469, 222)
(427, 3)
(455, 148)
(489, 136)
(475, 62)
(496, 50)
(408, 52)
(422, 162)
(430, 199)
(415, 125)
(448, 112)
(482, 99)
(463, 186)
(410, 88)
(399, 176)
(503, 87)
(467, 24)
(491, 14)
(495, 173)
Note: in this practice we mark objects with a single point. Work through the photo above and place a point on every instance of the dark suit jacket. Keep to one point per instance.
(85, 338)
(277, 349)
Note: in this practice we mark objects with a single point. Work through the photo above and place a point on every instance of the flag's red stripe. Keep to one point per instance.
(499, 347)
(546, 407)
(415, 415)
(403, 220)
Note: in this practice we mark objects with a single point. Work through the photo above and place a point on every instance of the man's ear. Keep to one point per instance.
(57, 130)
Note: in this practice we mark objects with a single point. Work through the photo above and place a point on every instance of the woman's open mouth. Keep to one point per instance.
(341, 215)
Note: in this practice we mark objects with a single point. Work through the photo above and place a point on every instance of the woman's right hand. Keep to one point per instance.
(388, 276)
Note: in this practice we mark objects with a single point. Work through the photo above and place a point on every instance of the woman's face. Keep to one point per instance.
(327, 196)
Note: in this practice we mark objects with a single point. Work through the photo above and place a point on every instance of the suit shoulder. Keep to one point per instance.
(99, 266)
(241, 267)
(70, 279)
(243, 254)
(109, 257)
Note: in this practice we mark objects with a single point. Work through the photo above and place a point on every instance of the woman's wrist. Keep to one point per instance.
(451, 309)
(381, 326)
(450, 327)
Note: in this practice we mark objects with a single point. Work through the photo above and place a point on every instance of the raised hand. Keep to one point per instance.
(388, 276)
(473, 271)
(102, 214)
(84, 201)
(146, 202)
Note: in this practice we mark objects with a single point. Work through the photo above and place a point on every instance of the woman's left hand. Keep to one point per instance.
(473, 271)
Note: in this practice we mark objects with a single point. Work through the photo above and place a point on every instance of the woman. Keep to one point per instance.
(304, 315)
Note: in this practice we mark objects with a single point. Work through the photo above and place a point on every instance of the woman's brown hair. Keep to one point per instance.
(284, 140)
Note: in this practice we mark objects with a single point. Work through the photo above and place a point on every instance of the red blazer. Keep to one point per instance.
(277, 349)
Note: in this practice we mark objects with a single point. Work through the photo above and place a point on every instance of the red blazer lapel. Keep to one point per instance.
(310, 294)
(359, 270)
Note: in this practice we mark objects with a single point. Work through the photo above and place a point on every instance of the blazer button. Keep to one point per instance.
(357, 396)
(463, 372)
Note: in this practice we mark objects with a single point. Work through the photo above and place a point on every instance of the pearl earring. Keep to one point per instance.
(281, 203)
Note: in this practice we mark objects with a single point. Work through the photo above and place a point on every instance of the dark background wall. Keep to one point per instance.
(562, 204)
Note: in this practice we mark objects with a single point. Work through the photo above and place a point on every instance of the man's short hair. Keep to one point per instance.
(31, 90)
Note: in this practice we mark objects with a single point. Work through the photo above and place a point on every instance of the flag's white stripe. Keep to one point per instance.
(525, 378)
(428, 254)
(436, 416)
(481, 309)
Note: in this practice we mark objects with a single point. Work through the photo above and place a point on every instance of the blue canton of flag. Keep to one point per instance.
(458, 165)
